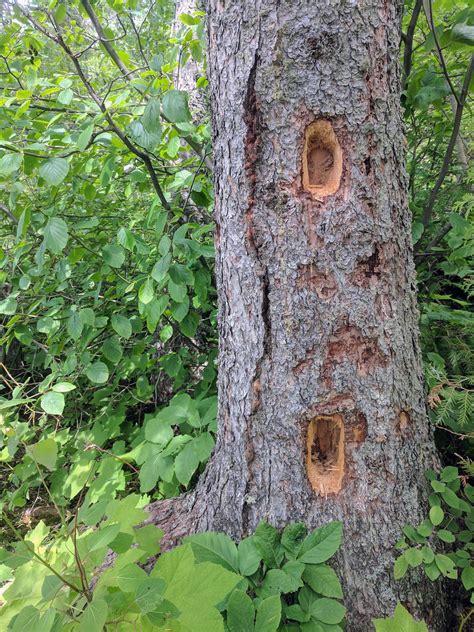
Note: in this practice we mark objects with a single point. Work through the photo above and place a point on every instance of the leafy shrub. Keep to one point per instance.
(442, 544)
(55, 580)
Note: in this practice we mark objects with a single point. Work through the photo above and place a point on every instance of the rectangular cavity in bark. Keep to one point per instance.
(325, 454)
(322, 160)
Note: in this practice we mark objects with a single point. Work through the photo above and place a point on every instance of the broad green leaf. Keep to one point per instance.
(112, 349)
(400, 567)
(160, 268)
(74, 325)
(467, 577)
(8, 306)
(240, 612)
(436, 515)
(446, 566)
(52, 403)
(463, 33)
(149, 594)
(215, 547)
(94, 616)
(84, 137)
(10, 163)
(175, 106)
(121, 325)
(402, 621)
(151, 116)
(157, 466)
(146, 292)
(63, 387)
(327, 610)
(45, 452)
(249, 556)
(54, 170)
(321, 544)
(292, 538)
(98, 373)
(55, 235)
(195, 589)
(323, 580)
(27, 619)
(129, 577)
(267, 542)
(268, 614)
(114, 255)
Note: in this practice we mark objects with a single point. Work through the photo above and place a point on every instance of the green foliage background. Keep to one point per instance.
(108, 303)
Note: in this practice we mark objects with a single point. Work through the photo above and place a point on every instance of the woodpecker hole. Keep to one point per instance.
(325, 454)
(322, 160)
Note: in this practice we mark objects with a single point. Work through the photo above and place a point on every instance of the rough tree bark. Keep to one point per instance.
(321, 407)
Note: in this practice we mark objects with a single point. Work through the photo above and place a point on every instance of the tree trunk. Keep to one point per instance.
(321, 406)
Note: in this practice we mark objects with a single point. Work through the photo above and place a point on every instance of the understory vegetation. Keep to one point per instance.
(108, 332)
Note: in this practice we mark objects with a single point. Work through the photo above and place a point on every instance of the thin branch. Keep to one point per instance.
(58, 39)
(428, 7)
(8, 213)
(103, 39)
(126, 75)
(408, 41)
(428, 211)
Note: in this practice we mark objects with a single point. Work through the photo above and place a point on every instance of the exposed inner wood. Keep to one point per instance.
(322, 160)
(325, 454)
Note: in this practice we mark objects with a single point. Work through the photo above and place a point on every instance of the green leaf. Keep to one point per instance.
(446, 566)
(10, 163)
(27, 619)
(195, 589)
(121, 325)
(146, 292)
(63, 387)
(157, 466)
(449, 474)
(292, 538)
(268, 614)
(323, 580)
(150, 593)
(240, 612)
(65, 96)
(74, 325)
(94, 616)
(55, 235)
(98, 373)
(114, 255)
(327, 610)
(112, 349)
(8, 306)
(467, 577)
(414, 557)
(267, 542)
(463, 33)
(45, 452)
(84, 137)
(249, 556)
(129, 577)
(151, 116)
(160, 268)
(321, 544)
(402, 621)
(446, 536)
(52, 403)
(54, 170)
(436, 515)
(400, 567)
(175, 106)
(215, 547)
